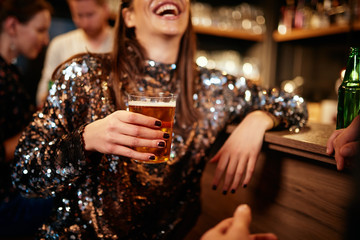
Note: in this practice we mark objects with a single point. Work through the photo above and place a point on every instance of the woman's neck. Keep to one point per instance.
(162, 49)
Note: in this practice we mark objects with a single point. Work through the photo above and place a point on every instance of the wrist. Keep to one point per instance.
(81, 132)
(275, 120)
(270, 120)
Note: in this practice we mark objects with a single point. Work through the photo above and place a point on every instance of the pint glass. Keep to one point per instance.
(162, 107)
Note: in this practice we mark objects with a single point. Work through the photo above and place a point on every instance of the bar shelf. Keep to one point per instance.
(298, 34)
(238, 34)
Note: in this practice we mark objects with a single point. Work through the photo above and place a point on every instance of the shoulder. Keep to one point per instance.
(84, 63)
(67, 36)
(80, 77)
(65, 39)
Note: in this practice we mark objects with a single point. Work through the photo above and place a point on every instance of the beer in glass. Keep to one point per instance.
(161, 107)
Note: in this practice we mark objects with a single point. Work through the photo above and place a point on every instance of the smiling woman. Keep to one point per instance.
(79, 147)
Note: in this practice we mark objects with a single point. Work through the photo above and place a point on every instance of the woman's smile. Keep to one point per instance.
(167, 10)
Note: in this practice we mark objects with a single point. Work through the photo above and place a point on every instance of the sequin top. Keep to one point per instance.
(15, 113)
(110, 197)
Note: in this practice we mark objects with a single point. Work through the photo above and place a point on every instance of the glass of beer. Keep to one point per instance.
(160, 106)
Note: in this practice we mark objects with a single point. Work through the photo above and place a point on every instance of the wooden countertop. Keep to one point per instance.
(310, 142)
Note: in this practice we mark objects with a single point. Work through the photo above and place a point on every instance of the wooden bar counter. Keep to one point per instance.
(296, 191)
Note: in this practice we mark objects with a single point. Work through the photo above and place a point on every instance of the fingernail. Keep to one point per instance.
(161, 144)
(166, 135)
(232, 191)
(214, 187)
(158, 123)
(152, 157)
(224, 192)
(245, 185)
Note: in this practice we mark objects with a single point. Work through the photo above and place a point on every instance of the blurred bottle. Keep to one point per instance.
(349, 91)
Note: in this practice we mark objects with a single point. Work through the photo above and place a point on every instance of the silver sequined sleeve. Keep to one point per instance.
(49, 156)
(224, 93)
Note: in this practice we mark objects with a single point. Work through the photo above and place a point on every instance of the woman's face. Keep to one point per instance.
(151, 18)
(32, 36)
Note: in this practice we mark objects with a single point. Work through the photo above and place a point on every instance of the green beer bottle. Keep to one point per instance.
(349, 91)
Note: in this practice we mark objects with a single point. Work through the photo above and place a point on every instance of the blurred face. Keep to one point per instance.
(89, 16)
(32, 36)
(158, 17)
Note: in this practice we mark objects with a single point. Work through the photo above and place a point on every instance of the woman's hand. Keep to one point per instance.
(236, 228)
(346, 144)
(239, 153)
(122, 130)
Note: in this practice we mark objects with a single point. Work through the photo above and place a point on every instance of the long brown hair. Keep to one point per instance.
(129, 64)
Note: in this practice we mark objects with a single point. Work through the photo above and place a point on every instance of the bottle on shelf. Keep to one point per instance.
(349, 91)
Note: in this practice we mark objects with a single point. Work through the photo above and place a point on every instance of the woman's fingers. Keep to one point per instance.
(238, 175)
(137, 119)
(131, 141)
(230, 173)
(130, 153)
(140, 131)
(121, 131)
(250, 168)
(223, 160)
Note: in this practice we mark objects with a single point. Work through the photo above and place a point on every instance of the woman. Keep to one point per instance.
(23, 31)
(84, 135)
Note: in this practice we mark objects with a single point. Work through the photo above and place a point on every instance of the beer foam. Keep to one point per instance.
(152, 104)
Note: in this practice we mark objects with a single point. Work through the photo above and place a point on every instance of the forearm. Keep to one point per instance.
(45, 169)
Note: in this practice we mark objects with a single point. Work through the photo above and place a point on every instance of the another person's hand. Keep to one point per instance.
(236, 228)
(346, 144)
(122, 130)
(240, 151)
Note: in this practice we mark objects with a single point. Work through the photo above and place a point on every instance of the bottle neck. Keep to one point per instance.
(352, 73)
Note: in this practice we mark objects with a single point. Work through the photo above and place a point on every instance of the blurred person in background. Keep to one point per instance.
(79, 147)
(23, 31)
(93, 34)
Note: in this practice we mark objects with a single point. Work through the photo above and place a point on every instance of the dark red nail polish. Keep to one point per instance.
(166, 135)
(158, 123)
(161, 144)
(232, 191)
(224, 192)
(214, 187)
(152, 157)
(244, 186)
